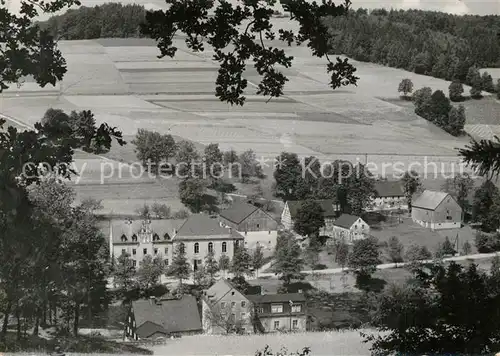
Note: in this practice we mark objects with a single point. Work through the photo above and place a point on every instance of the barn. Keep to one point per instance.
(436, 210)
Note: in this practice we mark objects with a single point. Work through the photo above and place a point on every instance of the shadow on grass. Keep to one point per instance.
(80, 344)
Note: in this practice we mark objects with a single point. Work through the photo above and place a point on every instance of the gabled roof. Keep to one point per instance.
(277, 298)
(221, 288)
(429, 199)
(238, 212)
(131, 227)
(326, 204)
(202, 226)
(387, 189)
(346, 221)
(172, 315)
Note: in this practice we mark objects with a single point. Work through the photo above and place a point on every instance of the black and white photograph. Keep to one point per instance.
(249, 177)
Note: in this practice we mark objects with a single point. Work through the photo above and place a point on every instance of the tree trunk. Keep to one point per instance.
(6, 320)
(37, 322)
(77, 318)
(44, 314)
(18, 317)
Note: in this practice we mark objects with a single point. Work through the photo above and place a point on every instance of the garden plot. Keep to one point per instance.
(109, 102)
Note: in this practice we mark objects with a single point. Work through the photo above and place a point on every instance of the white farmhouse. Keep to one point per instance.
(350, 228)
(389, 196)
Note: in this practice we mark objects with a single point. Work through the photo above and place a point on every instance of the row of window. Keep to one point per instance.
(196, 249)
(275, 308)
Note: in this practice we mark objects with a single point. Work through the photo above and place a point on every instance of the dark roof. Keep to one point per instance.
(276, 298)
(346, 220)
(327, 205)
(387, 188)
(131, 227)
(202, 226)
(429, 200)
(172, 315)
(238, 212)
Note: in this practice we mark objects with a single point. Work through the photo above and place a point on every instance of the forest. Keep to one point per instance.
(425, 42)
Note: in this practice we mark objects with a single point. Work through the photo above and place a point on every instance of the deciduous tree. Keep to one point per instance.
(405, 87)
(411, 185)
(309, 219)
(288, 261)
(214, 163)
(211, 266)
(364, 258)
(179, 267)
(395, 250)
(150, 271)
(240, 265)
(460, 187)
(456, 89)
(191, 193)
(257, 259)
(153, 148)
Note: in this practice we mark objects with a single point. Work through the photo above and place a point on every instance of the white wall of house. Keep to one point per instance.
(266, 239)
(438, 226)
(359, 230)
(388, 203)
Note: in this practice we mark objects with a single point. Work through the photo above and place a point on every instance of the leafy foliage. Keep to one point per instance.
(483, 205)
(430, 43)
(447, 310)
(179, 267)
(153, 148)
(459, 187)
(487, 243)
(456, 89)
(395, 250)
(238, 34)
(411, 185)
(405, 87)
(364, 257)
(309, 219)
(417, 253)
(288, 261)
(191, 192)
(241, 263)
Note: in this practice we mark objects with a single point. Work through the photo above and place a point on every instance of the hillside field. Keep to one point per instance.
(126, 85)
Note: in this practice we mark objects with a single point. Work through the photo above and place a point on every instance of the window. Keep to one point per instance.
(223, 305)
(210, 247)
(166, 262)
(166, 236)
(233, 304)
(166, 250)
(233, 316)
(134, 237)
(296, 308)
(196, 247)
(258, 226)
(243, 304)
(276, 308)
(182, 247)
(144, 251)
(224, 247)
(260, 310)
(134, 251)
(276, 325)
(295, 324)
(232, 293)
(124, 251)
(134, 263)
(156, 237)
(124, 238)
(243, 315)
(156, 251)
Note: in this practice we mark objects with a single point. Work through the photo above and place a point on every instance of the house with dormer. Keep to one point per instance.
(139, 238)
(198, 234)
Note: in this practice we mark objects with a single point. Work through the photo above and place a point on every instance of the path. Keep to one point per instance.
(477, 256)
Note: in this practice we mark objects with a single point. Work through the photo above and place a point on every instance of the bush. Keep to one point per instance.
(486, 243)
(319, 266)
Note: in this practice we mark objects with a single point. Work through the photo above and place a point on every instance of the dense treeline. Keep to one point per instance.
(112, 20)
(432, 43)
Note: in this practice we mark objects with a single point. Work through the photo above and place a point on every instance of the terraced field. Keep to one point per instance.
(127, 86)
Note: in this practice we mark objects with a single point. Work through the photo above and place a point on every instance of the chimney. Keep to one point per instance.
(152, 300)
